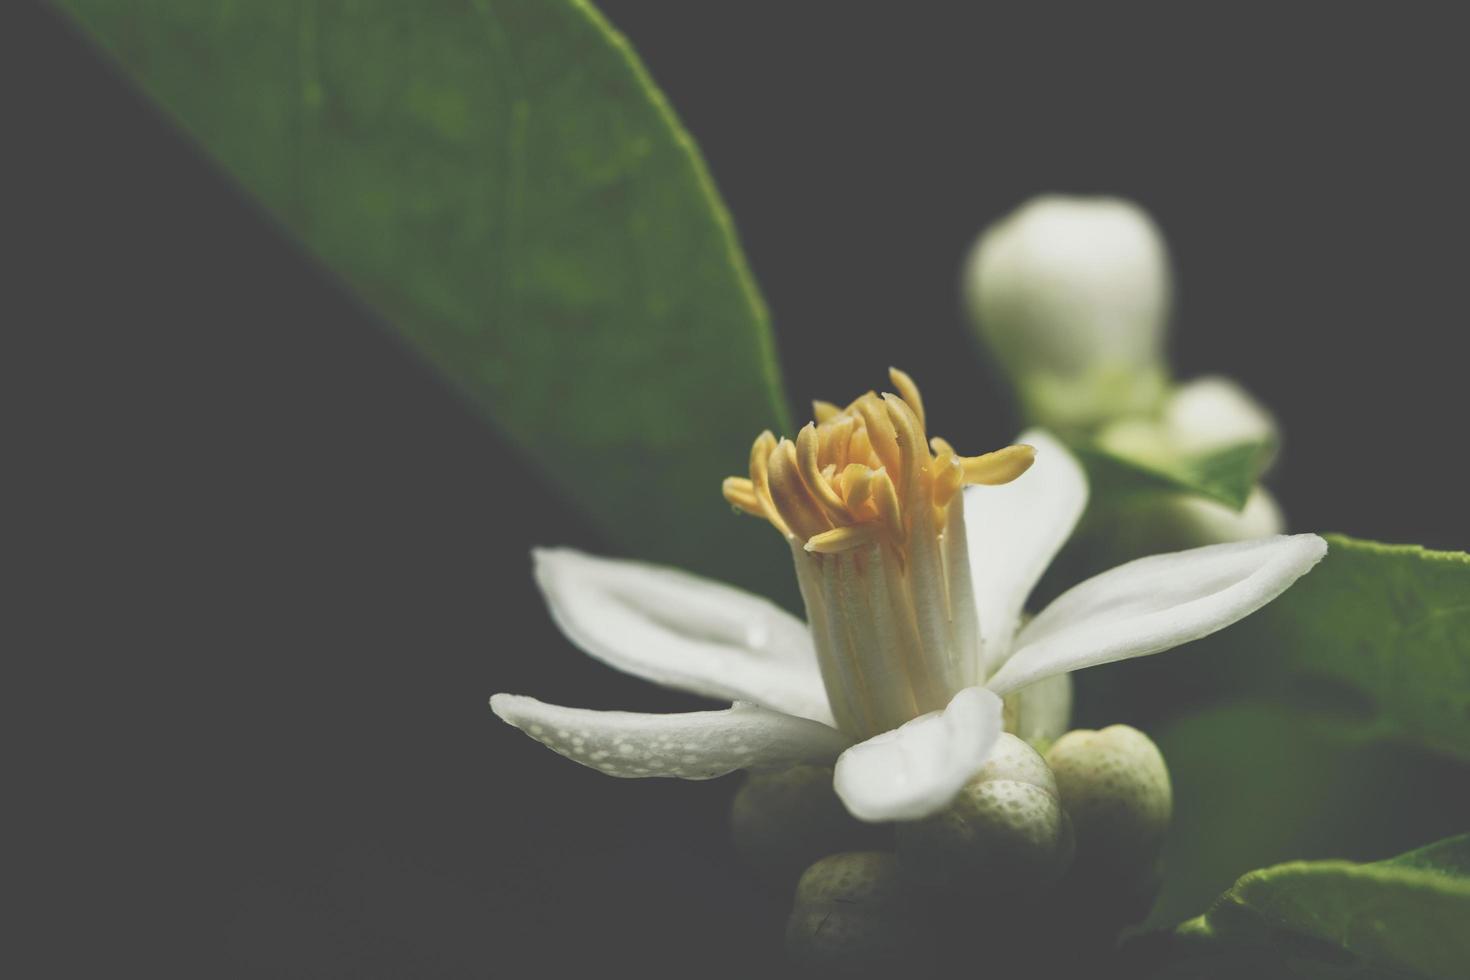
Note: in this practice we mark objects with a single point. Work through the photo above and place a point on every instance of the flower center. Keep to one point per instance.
(875, 520)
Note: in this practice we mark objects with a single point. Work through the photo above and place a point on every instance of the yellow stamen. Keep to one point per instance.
(949, 476)
(811, 473)
(871, 507)
(880, 431)
(908, 391)
(870, 462)
(740, 492)
(760, 457)
(857, 483)
(841, 539)
(793, 499)
(1001, 466)
(885, 499)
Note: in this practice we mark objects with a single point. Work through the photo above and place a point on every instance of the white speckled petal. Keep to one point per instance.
(692, 745)
(1156, 603)
(917, 768)
(683, 631)
(1013, 532)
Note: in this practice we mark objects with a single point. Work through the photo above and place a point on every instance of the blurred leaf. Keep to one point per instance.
(1225, 475)
(1401, 917)
(503, 183)
(1258, 783)
(1380, 635)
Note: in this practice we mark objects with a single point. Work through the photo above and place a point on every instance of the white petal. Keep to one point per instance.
(1014, 531)
(1156, 603)
(683, 631)
(917, 768)
(693, 745)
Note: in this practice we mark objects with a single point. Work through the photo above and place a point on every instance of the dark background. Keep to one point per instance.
(282, 569)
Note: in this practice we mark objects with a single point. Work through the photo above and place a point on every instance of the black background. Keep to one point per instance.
(282, 569)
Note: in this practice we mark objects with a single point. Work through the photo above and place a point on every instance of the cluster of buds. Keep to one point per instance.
(1073, 297)
(1041, 826)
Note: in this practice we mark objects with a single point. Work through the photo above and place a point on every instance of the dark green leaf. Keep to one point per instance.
(501, 180)
(1402, 917)
(1258, 783)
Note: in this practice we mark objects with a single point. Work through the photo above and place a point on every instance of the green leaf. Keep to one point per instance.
(1225, 475)
(1375, 641)
(1259, 783)
(1380, 635)
(503, 183)
(1405, 916)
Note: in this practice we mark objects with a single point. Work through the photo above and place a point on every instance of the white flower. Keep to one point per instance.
(914, 587)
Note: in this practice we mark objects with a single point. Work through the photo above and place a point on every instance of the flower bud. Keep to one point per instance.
(1198, 418)
(783, 820)
(1214, 413)
(1192, 521)
(1073, 295)
(1115, 787)
(1004, 838)
(855, 914)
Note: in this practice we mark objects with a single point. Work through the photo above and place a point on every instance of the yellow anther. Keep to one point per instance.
(859, 447)
(885, 499)
(811, 472)
(912, 476)
(949, 476)
(841, 539)
(835, 436)
(1001, 466)
(740, 492)
(798, 508)
(881, 435)
(760, 478)
(869, 463)
(908, 391)
(857, 483)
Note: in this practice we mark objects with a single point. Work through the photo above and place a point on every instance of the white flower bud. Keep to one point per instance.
(1005, 837)
(1193, 521)
(1214, 413)
(856, 914)
(1115, 787)
(1073, 296)
(783, 820)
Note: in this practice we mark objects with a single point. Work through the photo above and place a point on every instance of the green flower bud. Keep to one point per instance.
(1115, 787)
(1151, 525)
(783, 820)
(1073, 296)
(1197, 418)
(856, 914)
(1004, 838)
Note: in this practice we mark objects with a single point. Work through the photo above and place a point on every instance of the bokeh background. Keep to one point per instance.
(294, 566)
